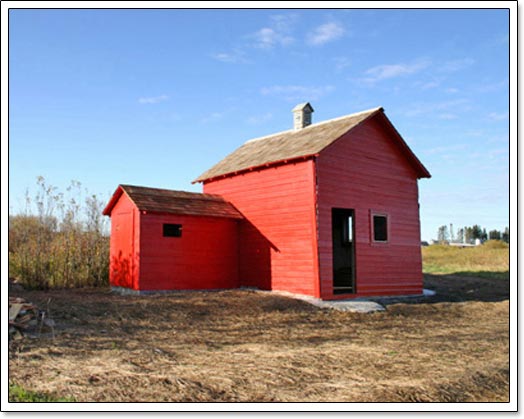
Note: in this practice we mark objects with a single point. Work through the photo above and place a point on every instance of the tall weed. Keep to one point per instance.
(59, 240)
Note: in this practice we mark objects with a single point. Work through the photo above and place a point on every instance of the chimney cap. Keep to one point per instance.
(303, 107)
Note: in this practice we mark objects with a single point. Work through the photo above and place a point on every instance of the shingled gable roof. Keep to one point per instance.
(294, 144)
(174, 202)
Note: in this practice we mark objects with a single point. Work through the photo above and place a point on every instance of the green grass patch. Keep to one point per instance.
(19, 394)
(490, 260)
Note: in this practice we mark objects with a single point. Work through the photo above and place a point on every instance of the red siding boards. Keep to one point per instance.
(204, 257)
(124, 244)
(367, 171)
(277, 241)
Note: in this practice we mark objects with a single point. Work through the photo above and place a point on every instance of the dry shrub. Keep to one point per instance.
(63, 245)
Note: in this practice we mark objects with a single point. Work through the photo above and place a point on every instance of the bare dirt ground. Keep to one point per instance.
(255, 347)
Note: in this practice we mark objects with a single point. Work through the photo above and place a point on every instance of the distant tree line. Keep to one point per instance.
(59, 240)
(470, 234)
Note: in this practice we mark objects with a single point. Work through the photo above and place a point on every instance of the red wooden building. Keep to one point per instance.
(328, 209)
(172, 240)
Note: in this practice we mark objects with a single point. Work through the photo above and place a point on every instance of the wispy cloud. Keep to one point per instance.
(498, 139)
(225, 57)
(493, 86)
(498, 40)
(297, 93)
(451, 90)
(213, 117)
(433, 69)
(267, 38)
(389, 71)
(341, 63)
(284, 23)
(326, 32)
(150, 100)
(450, 107)
(498, 116)
(235, 56)
(498, 153)
(276, 33)
(456, 65)
(260, 119)
(426, 85)
(475, 133)
(503, 39)
(447, 116)
(466, 196)
(445, 149)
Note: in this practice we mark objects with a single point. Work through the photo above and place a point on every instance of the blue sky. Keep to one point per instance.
(155, 97)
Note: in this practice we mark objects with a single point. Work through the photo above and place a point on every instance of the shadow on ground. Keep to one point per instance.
(460, 287)
(483, 274)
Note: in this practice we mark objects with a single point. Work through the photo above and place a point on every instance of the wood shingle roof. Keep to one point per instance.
(174, 202)
(286, 145)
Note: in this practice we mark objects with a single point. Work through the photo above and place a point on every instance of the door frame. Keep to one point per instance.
(346, 213)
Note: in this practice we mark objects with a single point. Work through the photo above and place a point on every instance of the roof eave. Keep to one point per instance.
(421, 170)
(425, 174)
(112, 202)
(237, 216)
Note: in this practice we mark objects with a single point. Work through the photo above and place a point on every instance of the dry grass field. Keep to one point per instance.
(253, 346)
(491, 260)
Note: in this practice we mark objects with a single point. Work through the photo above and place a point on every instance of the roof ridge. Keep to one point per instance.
(269, 135)
(327, 121)
(288, 144)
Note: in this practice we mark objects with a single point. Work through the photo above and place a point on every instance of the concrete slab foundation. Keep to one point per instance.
(356, 305)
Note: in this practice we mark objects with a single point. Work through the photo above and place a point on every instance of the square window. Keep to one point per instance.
(172, 230)
(380, 228)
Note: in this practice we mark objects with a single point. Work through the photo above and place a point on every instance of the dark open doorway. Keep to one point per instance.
(343, 228)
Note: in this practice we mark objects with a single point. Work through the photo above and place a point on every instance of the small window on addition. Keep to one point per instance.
(380, 228)
(172, 230)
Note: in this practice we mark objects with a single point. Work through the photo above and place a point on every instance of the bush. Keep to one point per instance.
(495, 244)
(63, 245)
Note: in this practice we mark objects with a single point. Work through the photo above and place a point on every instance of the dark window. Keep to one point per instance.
(380, 228)
(172, 230)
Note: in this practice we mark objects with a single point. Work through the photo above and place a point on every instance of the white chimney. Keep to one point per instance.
(302, 115)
